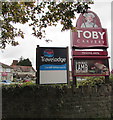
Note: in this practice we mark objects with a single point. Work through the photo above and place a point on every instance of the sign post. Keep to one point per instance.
(52, 65)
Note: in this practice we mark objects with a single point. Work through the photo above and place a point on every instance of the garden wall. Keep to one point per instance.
(57, 102)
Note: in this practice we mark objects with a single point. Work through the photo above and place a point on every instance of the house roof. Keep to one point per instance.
(25, 75)
(5, 66)
(23, 68)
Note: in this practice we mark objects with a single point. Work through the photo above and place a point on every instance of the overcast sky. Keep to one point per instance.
(27, 47)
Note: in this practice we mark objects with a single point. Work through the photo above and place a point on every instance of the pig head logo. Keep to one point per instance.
(88, 20)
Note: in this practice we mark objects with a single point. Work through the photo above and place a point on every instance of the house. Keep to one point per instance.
(6, 72)
(23, 72)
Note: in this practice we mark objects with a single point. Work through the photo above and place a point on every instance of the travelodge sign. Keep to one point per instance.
(52, 65)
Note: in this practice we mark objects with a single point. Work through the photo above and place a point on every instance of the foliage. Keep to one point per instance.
(111, 78)
(19, 85)
(24, 62)
(39, 17)
(31, 84)
(16, 89)
(12, 13)
(91, 81)
(88, 81)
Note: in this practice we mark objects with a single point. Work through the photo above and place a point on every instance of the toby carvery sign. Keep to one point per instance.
(90, 37)
(89, 32)
(53, 65)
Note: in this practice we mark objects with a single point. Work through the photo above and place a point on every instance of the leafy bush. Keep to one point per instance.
(91, 81)
(111, 78)
(33, 85)
(85, 81)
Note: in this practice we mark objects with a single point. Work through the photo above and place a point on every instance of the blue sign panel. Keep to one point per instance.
(53, 67)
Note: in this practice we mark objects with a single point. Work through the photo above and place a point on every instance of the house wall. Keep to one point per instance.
(21, 72)
(7, 71)
(29, 73)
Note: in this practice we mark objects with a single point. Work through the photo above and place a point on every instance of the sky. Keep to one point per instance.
(27, 47)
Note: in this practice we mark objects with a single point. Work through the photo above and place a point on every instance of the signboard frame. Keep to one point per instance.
(43, 67)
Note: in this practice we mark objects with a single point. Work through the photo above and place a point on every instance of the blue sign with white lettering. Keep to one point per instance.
(53, 67)
(53, 59)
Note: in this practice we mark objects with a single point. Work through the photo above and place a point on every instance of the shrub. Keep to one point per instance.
(91, 81)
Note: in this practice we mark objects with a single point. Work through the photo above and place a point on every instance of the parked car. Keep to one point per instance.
(26, 81)
(6, 82)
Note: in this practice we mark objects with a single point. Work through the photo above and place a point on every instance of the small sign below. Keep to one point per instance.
(91, 67)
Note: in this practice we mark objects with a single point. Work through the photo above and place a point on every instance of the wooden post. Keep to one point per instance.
(74, 81)
(68, 74)
(37, 65)
(106, 79)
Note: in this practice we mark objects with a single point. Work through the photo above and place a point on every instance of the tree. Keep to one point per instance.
(39, 16)
(12, 13)
(24, 62)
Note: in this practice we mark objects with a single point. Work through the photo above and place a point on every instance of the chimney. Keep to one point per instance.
(15, 62)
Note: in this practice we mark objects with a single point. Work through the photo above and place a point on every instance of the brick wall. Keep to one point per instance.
(57, 102)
